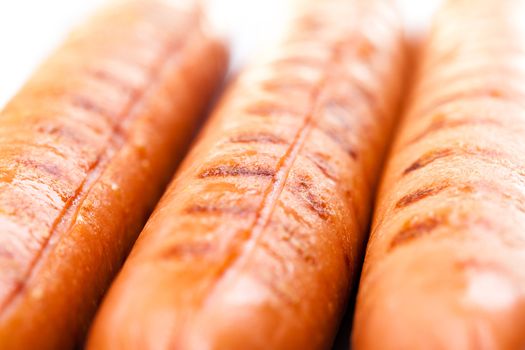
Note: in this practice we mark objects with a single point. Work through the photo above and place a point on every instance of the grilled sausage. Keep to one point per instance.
(444, 266)
(258, 238)
(86, 148)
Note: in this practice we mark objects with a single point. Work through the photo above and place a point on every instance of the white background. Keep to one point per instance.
(30, 29)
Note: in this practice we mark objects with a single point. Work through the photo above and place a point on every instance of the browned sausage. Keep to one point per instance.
(85, 150)
(445, 263)
(256, 242)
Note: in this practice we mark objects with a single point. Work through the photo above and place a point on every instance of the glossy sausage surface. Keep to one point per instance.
(257, 240)
(86, 148)
(445, 262)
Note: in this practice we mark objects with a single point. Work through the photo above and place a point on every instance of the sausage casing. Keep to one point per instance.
(444, 265)
(257, 240)
(86, 148)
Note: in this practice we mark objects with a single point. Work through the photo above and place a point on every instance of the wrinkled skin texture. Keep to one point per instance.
(444, 265)
(258, 238)
(86, 148)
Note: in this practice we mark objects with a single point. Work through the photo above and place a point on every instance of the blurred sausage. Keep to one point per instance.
(444, 265)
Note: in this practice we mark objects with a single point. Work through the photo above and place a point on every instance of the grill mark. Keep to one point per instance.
(259, 137)
(237, 170)
(54, 130)
(432, 156)
(276, 290)
(428, 158)
(478, 93)
(517, 200)
(371, 102)
(462, 73)
(58, 131)
(185, 250)
(322, 164)
(440, 123)
(304, 256)
(508, 196)
(113, 80)
(338, 109)
(70, 134)
(213, 209)
(302, 189)
(301, 252)
(288, 238)
(343, 110)
(41, 146)
(456, 50)
(336, 137)
(292, 213)
(67, 217)
(269, 108)
(54, 170)
(317, 205)
(420, 194)
(413, 230)
(86, 104)
(271, 251)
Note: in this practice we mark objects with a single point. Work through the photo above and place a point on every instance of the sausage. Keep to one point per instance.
(444, 264)
(257, 240)
(86, 148)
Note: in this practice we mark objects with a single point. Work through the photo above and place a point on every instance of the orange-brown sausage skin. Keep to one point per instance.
(86, 148)
(445, 262)
(257, 240)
